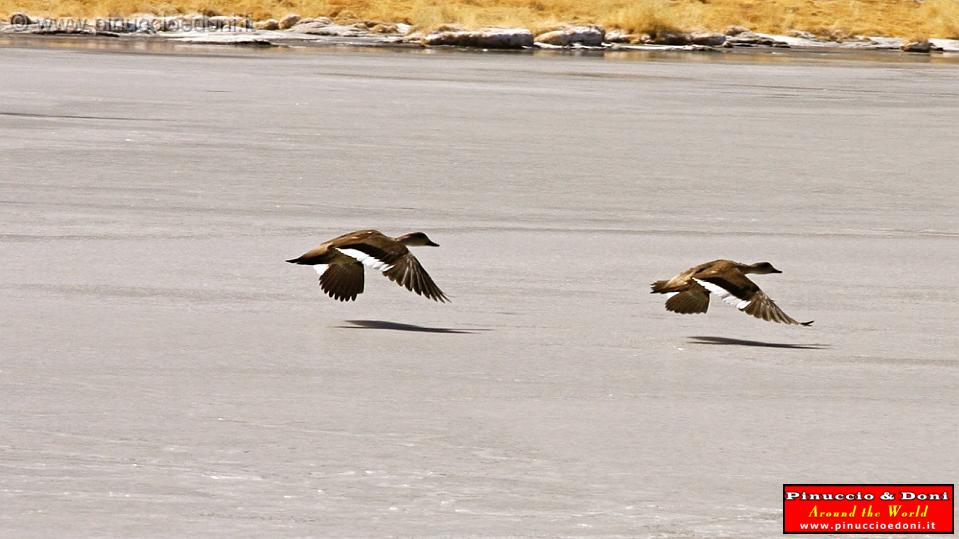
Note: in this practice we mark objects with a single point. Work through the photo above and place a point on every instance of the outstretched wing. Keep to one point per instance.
(732, 287)
(737, 290)
(692, 301)
(341, 282)
(370, 256)
(761, 306)
(407, 272)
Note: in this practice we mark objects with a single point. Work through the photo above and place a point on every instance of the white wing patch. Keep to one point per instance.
(724, 294)
(366, 260)
(320, 268)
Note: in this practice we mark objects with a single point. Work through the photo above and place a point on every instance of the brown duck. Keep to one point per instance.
(340, 263)
(726, 279)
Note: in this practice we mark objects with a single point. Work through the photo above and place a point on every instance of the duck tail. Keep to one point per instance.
(659, 287)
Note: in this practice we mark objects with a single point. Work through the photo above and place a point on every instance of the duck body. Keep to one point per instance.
(726, 279)
(340, 263)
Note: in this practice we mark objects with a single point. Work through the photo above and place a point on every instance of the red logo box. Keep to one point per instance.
(869, 508)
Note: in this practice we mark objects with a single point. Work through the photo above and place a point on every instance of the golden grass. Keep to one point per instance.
(935, 18)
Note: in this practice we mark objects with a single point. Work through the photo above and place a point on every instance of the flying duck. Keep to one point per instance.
(340, 263)
(726, 279)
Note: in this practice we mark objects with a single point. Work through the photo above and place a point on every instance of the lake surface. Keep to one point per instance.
(164, 373)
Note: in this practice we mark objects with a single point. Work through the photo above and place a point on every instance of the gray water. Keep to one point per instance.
(163, 373)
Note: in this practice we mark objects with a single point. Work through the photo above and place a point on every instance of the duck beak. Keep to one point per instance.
(432, 244)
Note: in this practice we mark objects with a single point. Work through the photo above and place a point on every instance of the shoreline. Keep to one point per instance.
(135, 45)
(832, 19)
(293, 31)
(332, 34)
(231, 44)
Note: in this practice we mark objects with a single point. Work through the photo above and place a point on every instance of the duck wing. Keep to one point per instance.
(341, 282)
(397, 263)
(408, 273)
(691, 301)
(762, 306)
(737, 290)
(378, 256)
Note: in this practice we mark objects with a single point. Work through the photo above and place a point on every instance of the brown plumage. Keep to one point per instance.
(340, 263)
(726, 279)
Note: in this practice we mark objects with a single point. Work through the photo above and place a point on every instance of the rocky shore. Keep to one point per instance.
(293, 29)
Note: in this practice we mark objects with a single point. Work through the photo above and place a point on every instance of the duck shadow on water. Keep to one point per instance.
(725, 341)
(397, 326)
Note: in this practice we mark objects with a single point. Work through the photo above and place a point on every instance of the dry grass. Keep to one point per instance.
(938, 18)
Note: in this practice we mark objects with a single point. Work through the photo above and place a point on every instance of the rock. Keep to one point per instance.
(670, 38)
(168, 24)
(19, 18)
(752, 39)
(308, 25)
(196, 21)
(945, 45)
(385, 29)
(269, 24)
(322, 28)
(590, 36)
(145, 23)
(188, 23)
(876, 43)
(618, 36)
(228, 23)
(735, 30)
(51, 27)
(117, 25)
(447, 28)
(323, 20)
(835, 34)
(141, 23)
(802, 34)
(486, 38)
(707, 39)
(289, 21)
(922, 45)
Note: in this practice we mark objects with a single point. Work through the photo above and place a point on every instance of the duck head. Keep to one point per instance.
(762, 267)
(416, 239)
